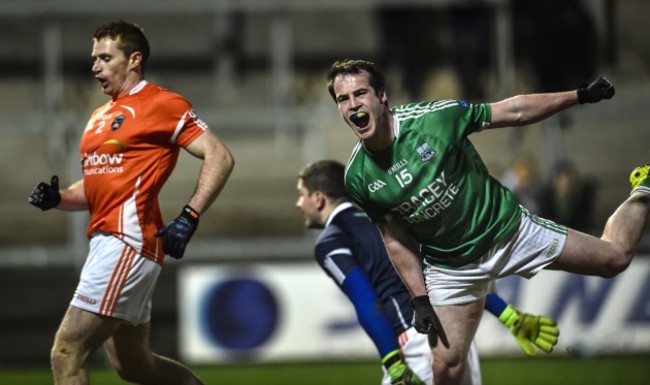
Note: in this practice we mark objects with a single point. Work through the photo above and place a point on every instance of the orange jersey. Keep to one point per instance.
(128, 150)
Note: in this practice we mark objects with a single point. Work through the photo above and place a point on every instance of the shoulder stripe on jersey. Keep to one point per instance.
(355, 151)
(179, 127)
(337, 274)
(416, 111)
(342, 250)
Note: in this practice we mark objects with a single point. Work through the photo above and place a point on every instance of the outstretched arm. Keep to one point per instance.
(522, 110)
(356, 285)
(359, 289)
(529, 330)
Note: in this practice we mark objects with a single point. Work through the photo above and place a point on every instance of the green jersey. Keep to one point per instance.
(432, 181)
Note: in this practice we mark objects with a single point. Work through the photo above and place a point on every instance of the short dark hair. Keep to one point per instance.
(131, 37)
(326, 176)
(376, 78)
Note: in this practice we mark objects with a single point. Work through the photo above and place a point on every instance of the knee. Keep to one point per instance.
(447, 371)
(617, 263)
(65, 357)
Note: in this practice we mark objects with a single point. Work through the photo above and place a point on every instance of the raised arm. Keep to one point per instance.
(522, 110)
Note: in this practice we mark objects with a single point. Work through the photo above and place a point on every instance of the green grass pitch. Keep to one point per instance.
(625, 370)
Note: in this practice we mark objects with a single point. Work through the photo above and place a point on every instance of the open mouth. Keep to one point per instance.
(102, 82)
(360, 119)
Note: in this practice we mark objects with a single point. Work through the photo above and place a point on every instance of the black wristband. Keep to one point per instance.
(583, 96)
(391, 360)
(190, 214)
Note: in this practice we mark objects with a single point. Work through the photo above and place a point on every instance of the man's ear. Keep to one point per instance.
(135, 60)
(321, 199)
(383, 96)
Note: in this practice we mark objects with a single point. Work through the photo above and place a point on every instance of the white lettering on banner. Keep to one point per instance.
(597, 315)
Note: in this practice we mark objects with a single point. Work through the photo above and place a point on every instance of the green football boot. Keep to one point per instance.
(639, 178)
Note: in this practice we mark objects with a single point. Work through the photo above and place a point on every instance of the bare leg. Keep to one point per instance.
(460, 323)
(613, 252)
(129, 353)
(625, 226)
(79, 335)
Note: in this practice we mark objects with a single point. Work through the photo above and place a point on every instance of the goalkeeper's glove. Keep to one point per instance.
(399, 372)
(46, 196)
(530, 330)
(598, 90)
(177, 233)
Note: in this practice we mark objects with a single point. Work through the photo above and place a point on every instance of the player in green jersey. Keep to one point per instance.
(417, 175)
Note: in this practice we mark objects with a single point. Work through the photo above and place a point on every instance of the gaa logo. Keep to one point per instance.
(376, 185)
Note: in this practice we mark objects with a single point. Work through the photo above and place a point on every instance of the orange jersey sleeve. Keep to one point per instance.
(128, 150)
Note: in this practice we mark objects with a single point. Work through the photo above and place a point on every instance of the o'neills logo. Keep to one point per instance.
(95, 163)
(86, 299)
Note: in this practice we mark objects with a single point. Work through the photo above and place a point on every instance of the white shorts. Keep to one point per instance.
(116, 281)
(417, 354)
(535, 244)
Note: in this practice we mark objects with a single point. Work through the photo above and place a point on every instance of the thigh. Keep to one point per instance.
(82, 332)
(585, 254)
(460, 323)
(128, 348)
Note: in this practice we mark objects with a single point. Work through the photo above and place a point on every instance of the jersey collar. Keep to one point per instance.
(337, 209)
(395, 125)
(138, 87)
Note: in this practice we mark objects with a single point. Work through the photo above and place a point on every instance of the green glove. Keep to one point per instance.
(531, 330)
(400, 373)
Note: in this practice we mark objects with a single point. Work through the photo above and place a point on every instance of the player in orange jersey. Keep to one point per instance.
(128, 150)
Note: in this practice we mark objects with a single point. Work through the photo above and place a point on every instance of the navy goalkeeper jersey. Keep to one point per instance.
(351, 240)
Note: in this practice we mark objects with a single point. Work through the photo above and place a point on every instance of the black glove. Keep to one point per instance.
(426, 321)
(46, 196)
(177, 233)
(598, 90)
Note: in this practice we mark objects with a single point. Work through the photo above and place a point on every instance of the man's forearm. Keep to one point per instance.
(408, 267)
(74, 198)
(215, 170)
(522, 110)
